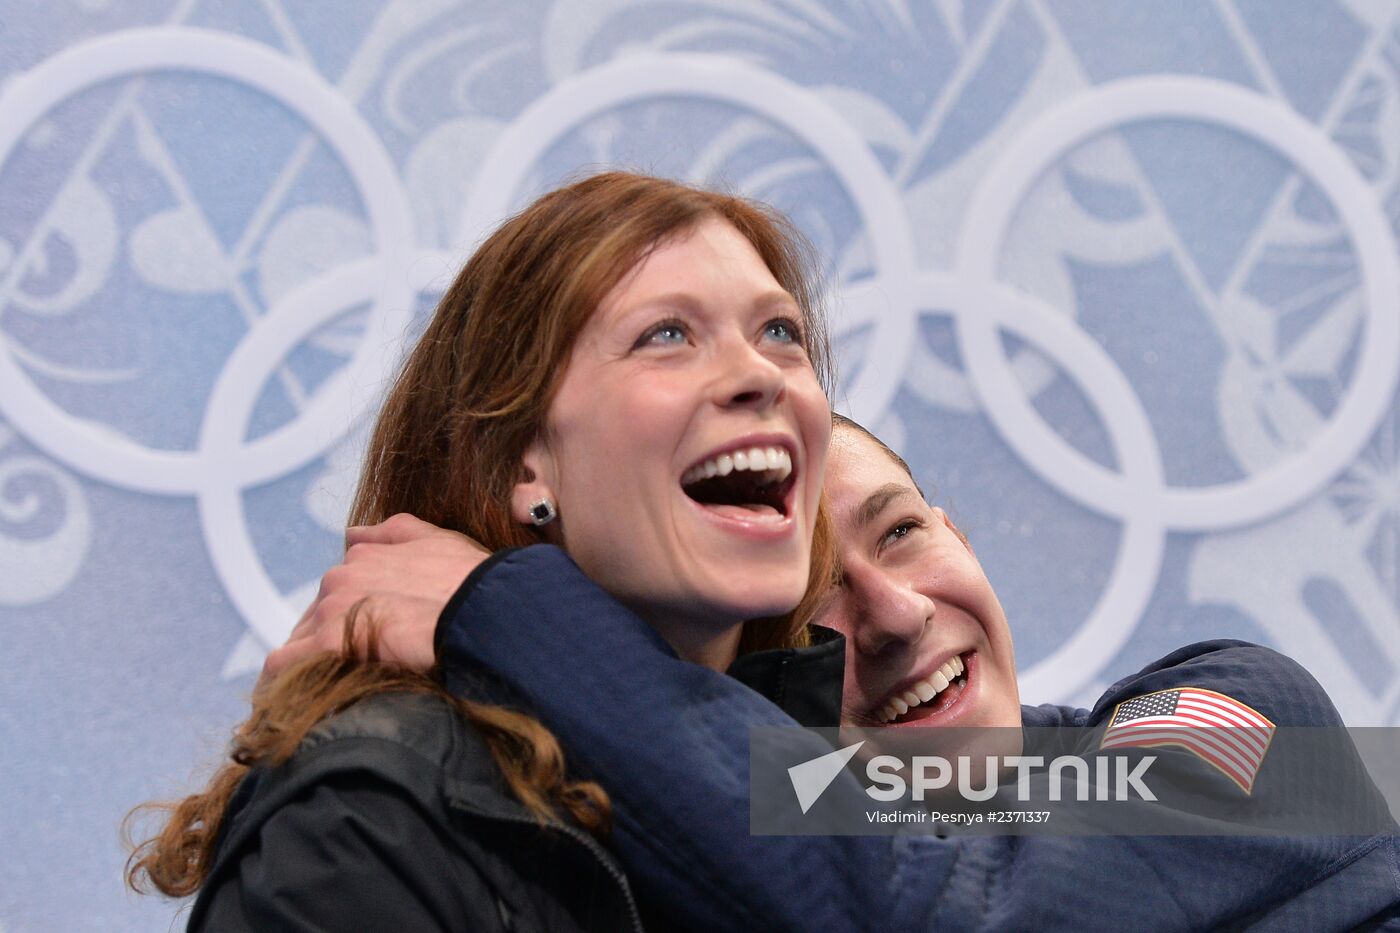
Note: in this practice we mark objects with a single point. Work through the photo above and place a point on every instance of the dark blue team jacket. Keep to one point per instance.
(669, 741)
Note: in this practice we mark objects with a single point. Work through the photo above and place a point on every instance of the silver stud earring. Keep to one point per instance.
(543, 512)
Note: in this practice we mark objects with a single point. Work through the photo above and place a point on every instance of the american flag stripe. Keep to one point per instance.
(1224, 707)
(1190, 739)
(1235, 772)
(1248, 735)
(1194, 740)
(1220, 730)
(1226, 742)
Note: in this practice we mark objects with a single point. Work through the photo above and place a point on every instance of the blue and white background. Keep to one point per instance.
(1119, 278)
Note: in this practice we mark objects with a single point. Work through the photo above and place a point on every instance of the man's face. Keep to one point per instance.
(927, 642)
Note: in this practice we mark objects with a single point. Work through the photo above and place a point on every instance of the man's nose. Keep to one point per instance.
(889, 612)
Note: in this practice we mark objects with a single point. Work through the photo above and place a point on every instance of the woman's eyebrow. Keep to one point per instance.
(674, 300)
(876, 502)
(777, 298)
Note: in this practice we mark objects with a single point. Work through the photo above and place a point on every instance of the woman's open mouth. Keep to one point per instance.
(930, 697)
(747, 483)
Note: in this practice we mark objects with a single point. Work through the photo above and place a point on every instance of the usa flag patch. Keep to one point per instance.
(1220, 730)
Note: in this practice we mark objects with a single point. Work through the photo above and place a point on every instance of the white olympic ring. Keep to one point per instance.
(1268, 492)
(648, 76)
(1133, 578)
(1137, 494)
(296, 316)
(123, 462)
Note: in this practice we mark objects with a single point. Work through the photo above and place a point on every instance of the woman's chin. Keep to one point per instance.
(767, 599)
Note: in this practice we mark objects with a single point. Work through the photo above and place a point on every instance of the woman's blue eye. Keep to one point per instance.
(669, 332)
(783, 330)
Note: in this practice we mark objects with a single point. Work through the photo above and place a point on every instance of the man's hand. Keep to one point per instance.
(405, 570)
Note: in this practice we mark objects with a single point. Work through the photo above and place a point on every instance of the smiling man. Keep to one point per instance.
(927, 641)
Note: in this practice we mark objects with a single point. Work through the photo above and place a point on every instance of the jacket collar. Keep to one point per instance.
(804, 682)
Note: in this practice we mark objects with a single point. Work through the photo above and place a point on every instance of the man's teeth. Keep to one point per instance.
(772, 460)
(923, 691)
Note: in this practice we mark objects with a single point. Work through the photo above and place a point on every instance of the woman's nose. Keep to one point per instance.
(748, 378)
(892, 613)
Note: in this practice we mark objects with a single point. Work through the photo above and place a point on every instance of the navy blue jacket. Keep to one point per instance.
(669, 741)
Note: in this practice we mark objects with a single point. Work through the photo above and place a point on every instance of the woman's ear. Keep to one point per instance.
(536, 486)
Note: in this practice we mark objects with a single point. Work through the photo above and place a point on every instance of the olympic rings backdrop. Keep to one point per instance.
(1119, 279)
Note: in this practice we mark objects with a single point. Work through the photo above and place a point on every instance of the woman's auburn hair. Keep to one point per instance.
(447, 447)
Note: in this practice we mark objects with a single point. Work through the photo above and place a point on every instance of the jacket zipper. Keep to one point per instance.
(583, 839)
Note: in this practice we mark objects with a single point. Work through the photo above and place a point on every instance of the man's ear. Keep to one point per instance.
(955, 530)
(537, 483)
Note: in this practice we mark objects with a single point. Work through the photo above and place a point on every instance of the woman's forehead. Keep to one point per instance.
(688, 263)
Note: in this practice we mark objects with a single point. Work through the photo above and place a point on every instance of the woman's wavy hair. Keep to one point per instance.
(468, 401)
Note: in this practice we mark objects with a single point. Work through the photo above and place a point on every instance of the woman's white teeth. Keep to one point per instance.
(774, 461)
(923, 691)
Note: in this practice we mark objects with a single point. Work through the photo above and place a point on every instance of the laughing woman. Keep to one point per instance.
(630, 369)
